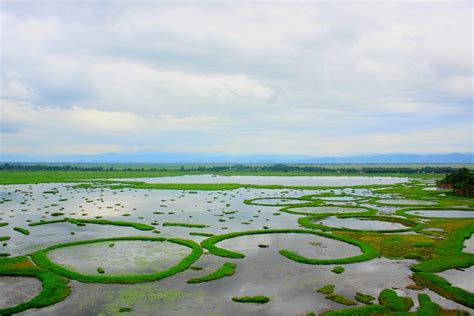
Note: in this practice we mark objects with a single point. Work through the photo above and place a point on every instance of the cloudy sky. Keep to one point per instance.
(307, 78)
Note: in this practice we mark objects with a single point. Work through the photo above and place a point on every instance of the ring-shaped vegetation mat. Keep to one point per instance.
(309, 222)
(41, 259)
(401, 202)
(54, 287)
(327, 198)
(404, 212)
(287, 201)
(301, 210)
(368, 252)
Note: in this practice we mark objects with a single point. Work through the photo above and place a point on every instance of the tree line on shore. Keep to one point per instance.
(281, 168)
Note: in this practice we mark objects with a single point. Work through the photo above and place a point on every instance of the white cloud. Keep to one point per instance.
(461, 85)
(254, 77)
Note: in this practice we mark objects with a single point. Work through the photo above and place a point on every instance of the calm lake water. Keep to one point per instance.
(290, 181)
(290, 285)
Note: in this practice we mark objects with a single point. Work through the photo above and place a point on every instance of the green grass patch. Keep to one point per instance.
(393, 302)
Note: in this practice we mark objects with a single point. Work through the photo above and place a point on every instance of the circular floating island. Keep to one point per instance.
(327, 209)
(365, 251)
(308, 245)
(379, 224)
(119, 260)
(440, 213)
(360, 224)
(404, 202)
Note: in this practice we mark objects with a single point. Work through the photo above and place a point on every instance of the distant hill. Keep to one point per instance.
(462, 158)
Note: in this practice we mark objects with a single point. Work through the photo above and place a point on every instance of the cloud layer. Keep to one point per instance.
(236, 78)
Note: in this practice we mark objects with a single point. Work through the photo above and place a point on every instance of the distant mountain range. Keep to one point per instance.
(464, 158)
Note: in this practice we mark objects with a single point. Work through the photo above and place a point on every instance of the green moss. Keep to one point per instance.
(54, 288)
(337, 298)
(338, 270)
(4, 238)
(41, 259)
(185, 225)
(227, 269)
(24, 231)
(393, 302)
(259, 299)
(57, 214)
(364, 298)
(327, 289)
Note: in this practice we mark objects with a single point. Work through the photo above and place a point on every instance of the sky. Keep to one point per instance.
(236, 78)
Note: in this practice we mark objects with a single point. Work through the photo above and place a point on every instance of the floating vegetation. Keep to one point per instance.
(24, 231)
(185, 225)
(364, 298)
(54, 288)
(201, 234)
(436, 242)
(227, 269)
(337, 298)
(389, 299)
(259, 299)
(338, 270)
(368, 252)
(41, 259)
(327, 289)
